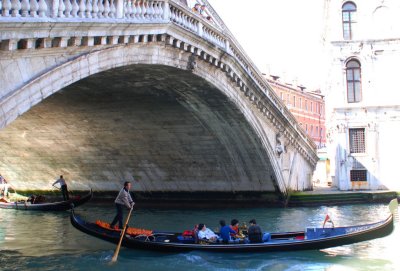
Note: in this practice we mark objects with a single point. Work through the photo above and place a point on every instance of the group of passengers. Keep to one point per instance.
(228, 234)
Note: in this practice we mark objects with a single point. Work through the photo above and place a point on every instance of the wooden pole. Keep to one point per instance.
(115, 256)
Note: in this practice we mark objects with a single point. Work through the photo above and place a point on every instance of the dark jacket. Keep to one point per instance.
(255, 234)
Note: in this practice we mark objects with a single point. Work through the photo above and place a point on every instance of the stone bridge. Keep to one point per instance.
(146, 91)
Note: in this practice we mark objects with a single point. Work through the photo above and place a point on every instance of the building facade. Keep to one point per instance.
(362, 101)
(307, 107)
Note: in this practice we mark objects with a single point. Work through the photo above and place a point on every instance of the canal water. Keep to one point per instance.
(47, 241)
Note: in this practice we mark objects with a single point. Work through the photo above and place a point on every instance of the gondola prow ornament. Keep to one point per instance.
(329, 220)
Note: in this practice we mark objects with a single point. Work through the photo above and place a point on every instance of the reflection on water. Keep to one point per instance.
(47, 241)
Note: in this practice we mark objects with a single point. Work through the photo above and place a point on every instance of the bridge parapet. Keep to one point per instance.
(146, 21)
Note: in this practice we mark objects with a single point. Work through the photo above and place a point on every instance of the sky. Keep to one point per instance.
(282, 37)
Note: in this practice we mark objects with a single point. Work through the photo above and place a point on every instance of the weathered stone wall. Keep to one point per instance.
(162, 128)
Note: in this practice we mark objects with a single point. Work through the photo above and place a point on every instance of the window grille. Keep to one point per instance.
(357, 140)
(358, 175)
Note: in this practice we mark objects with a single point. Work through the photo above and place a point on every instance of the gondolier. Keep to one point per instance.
(3, 186)
(63, 186)
(123, 199)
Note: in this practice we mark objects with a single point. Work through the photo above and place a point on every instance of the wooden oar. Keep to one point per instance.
(115, 256)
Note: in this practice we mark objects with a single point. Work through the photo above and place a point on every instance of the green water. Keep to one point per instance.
(47, 241)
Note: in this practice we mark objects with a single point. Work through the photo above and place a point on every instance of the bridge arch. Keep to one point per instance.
(66, 49)
(122, 58)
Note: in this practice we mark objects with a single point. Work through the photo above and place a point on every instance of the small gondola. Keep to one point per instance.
(48, 206)
(311, 238)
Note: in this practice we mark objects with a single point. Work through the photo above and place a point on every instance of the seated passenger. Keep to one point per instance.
(234, 226)
(225, 231)
(206, 234)
(255, 233)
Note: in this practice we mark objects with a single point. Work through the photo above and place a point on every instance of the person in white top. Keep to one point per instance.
(3, 186)
(63, 186)
(123, 199)
(205, 233)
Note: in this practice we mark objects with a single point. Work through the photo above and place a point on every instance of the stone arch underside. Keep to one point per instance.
(164, 128)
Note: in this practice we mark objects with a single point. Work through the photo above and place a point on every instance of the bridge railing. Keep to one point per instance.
(132, 10)
(143, 11)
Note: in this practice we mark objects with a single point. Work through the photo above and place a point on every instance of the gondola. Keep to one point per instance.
(48, 206)
(311, 238)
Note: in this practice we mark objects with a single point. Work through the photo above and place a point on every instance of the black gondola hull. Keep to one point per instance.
(49, 206)
(165, 241)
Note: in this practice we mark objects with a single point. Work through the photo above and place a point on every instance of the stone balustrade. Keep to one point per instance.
(142, 12)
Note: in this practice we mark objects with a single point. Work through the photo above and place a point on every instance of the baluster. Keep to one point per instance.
(95, 9)
(113, 10)
(187, 22)
(160, 10)
(156, 8)
(34, 8)
(166, 11)
(177, 14)
(75, 9)
(6, 8)
(61, 8)
(101, 9)
(193, 22)
(172, 14)
(138, 10)
(146, 8)
(24, 8)
(150, 10)
(42, 8)
(180, 18)
(82, 6)
(134, 10)
(131, 6)
(183, 18)
(68, 8)
(143, 13)
(88, 9)
(126, 8)
(106, 9)
(195, 26)
(15, 7)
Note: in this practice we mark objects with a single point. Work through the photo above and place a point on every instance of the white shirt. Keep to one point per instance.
(2, 180)
(124, 198)
(206, 234)
(60, 181)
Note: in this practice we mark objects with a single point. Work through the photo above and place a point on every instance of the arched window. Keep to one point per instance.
(349, 19)
(353, 78)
